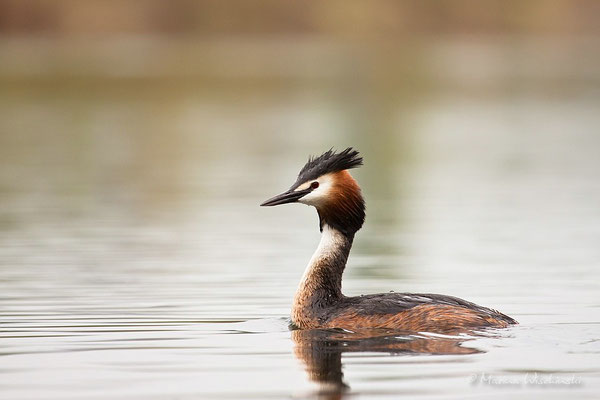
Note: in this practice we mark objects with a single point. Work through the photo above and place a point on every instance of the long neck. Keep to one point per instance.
(321, 284)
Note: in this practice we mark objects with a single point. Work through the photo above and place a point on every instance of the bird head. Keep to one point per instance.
(325, 183)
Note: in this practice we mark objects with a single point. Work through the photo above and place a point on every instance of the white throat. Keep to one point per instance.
(331, 242)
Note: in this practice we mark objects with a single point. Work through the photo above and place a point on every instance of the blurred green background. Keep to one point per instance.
(140, 102)
(137, 139)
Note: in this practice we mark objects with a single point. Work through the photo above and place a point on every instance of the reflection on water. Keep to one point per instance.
(321, 351)
(135, 261)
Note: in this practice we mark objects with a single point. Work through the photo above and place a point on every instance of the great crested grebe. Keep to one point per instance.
(325, 183)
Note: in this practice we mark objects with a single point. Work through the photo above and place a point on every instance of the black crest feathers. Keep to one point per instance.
(329, 162)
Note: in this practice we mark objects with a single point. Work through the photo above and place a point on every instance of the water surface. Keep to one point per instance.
(136, 263)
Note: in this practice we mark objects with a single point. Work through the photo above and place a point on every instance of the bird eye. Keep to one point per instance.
(314, 185)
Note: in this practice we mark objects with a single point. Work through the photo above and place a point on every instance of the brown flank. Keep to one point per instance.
(440, 318)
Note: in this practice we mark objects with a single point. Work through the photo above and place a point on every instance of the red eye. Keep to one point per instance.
(314, 185)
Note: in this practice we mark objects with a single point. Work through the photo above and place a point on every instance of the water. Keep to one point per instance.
(136, 263)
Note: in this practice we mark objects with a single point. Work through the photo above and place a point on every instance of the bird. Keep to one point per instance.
(326, 184)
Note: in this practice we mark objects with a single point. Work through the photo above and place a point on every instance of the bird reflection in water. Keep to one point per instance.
(320, 350)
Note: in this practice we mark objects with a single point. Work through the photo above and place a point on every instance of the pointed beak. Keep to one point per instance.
(290, 196)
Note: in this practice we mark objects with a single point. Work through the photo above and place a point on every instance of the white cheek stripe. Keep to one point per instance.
(320, 194)
(305, 185)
